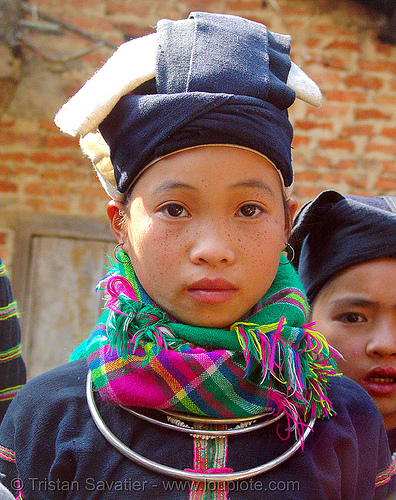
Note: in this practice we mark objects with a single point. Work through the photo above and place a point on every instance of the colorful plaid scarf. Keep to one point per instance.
(270, 361)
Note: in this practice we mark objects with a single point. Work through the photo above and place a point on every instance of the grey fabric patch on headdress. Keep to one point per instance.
(220, 80)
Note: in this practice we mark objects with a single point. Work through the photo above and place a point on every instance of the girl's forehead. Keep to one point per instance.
(374, 279)
(221, 164)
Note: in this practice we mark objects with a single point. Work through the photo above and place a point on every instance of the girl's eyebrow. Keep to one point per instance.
(253, 183)
(352, 301)
(170, 185)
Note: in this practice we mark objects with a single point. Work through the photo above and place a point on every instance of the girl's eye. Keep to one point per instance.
(352, 317)
(250, 210)
(175, 210)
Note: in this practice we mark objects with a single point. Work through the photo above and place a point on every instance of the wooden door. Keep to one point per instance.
(62, 304)
(56, 266)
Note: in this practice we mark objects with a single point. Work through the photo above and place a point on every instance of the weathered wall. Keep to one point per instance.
(348, 144)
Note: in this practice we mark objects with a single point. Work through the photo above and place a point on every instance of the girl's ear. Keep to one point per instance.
(292, 208)
(116, 215)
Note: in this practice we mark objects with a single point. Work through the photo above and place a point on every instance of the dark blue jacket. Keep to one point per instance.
(49, 442)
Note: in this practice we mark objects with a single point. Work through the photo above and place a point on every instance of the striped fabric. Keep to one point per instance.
(210, 456)
(8, 311)
(3, 271)
(385, 476)
(12, 353)
(12, 367)
(7, 454)
(9, 393)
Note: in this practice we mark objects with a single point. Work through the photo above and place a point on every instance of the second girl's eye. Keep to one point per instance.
(250, 210)
(175, 210)
(352, 317)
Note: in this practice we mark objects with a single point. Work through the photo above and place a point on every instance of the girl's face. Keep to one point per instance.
(205, 231)
(356, 311)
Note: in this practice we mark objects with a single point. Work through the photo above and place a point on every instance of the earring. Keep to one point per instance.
(115, 251)
(289, 248)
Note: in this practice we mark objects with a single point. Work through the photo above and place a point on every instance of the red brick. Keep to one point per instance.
(389, 167)
(131, 31)
(327, 29)
(45, 157)
(385, 100)
(356, 181)
(334, 62)
(46, 189)
(95, 59)
(381, 148)
(333, 177)
(22, 171)
(294, 9)
(386, 183)
(306, 176)
(7, 123)
(366, 130)
(383, 48)
(327, 111)
(320, 161)
(236, 5)
(364, 82)
(79, 5)
(306, 192)
(299, 141)
(8, 187)
(32, 140)
(91, 24)
(121, 7)
(312, 42)
(62, 175)
(389, 132)
(380, 66)
(343, 45)
(369, 114)
(61, 141)
(93, 192)
(292, 25)
(343, 144)
(3, 238)
(308, 125)
(5, 171)
(326, 78)
(36, 204)
(346, 96)
(60, 206)
(47, 125)
(345, 165)
(13, 157)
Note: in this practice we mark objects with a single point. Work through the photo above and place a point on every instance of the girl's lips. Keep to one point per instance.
(212, 291)
(380, 382)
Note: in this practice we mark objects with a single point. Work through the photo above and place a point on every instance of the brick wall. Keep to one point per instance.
(348, 144)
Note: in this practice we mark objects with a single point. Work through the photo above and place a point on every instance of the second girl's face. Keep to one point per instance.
(205, 231)
(356, 311)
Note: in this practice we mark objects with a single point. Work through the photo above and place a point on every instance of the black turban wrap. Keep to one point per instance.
(334, 232)
(219, 80)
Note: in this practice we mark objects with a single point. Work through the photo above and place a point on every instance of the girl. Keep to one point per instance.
(346, 257)
(203, 379)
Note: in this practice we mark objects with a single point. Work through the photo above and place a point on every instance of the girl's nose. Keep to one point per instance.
(383, 339)
(212, 246)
